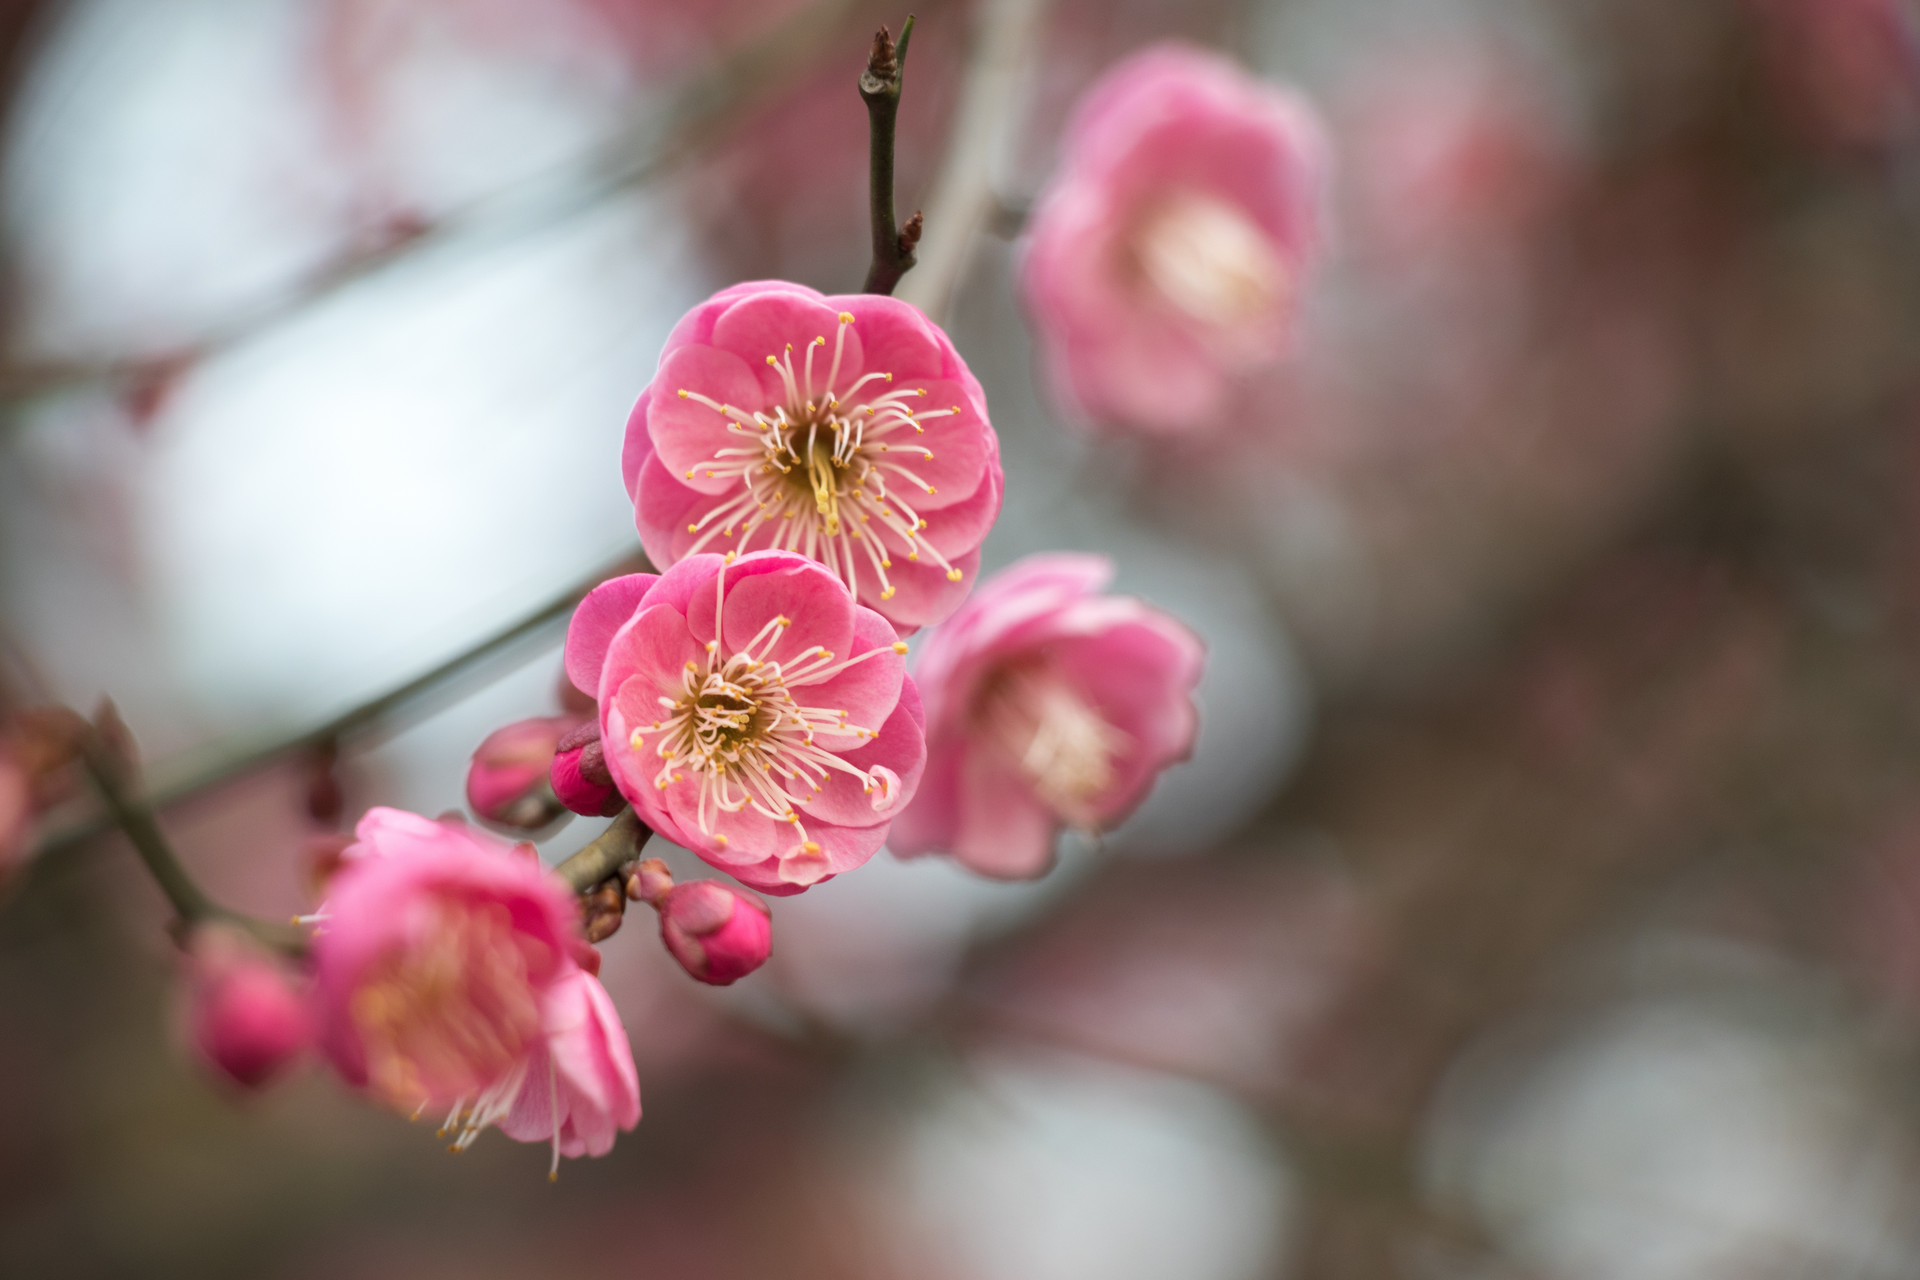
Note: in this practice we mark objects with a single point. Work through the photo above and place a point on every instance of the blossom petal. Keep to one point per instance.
(596, 619)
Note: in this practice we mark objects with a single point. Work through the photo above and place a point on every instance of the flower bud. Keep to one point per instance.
(580, 778)
(717, 933)
(244, 1016)
(507, 781)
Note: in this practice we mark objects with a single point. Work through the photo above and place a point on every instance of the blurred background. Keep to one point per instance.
(1542, 901)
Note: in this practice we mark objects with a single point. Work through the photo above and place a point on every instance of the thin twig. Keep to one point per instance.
(612, 849)
(963, 196)
(190, 902)
(382, 714)
(880, 89)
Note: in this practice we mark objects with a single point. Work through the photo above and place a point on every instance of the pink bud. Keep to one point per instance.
(507, 781)
(244, 1015)
(580, 778)
(717, 933)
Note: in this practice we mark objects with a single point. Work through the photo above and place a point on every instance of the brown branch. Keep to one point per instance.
(893, 245)
(381, 713)
(611, 850)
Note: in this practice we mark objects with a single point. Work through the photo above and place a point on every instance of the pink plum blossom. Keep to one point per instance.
(752, 712)
(244, 1016)
(846, 429)
(1167, 257)
(507, 779)
(717, 933)
(445, 977)
(1048, 704)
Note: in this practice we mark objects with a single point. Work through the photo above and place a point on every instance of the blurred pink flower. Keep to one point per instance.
(717, 933)
(507, 782)
(244, 1015)
(752, 712)
(16, 816)
(1167, 257)
(1047, 703)
(1848, 69)
(1451, 148)
(580, 1087)
(437, 948)
(579, 776)
(846, 429)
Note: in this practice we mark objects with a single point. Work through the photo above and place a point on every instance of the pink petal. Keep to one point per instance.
(901, 747)
(606, 609)
(766, 324)
(686, 433)
(1005, 832)
(819, 611)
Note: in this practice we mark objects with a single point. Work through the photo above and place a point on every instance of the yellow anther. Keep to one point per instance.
(887, 594)
(692, 666)
(721, 841)
(689, 475)
(954, 575)
(921, 392)
(683, 393)
(922, 524)
(774, 361)
(819, 342)
(692, 528)
(889, 377)
(785, 622)
(911, 555)
(712, 645)
(846, 317)
(899, 646)
(809, 847)
(886, 564)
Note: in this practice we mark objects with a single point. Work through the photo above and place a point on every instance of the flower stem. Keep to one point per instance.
(880, 89)
(190, 902)
(612, 849)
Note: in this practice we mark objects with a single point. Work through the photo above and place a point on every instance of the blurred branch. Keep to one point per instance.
(963, 196)
(609, 851)
(701, 107)
(429, 689)
(880, 90)
(191, 903)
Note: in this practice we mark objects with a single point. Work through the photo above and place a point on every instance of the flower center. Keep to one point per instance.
(1209, 260)
(739, 722)
(823, 472)
(1066, 749)
(455, 1010)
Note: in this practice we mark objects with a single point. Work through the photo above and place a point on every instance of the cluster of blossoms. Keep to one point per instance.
(813, 477)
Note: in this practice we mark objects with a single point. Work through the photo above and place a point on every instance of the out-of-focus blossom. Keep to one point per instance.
(245, 1015)
(580, 778)
(717, 933)
(1048, 703)
(1848, 69)
(752, 712)
(438, 949)
(846, 429)
(1451, 148)
(507, 781)
(580, 1087)
(1168, 255)
(16, 816)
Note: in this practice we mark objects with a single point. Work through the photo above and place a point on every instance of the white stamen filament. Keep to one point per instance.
(738, 726)
(1066, 749)
(1207, 258)
(813, 478)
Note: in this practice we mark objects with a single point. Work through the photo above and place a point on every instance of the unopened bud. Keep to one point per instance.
(716, 932)
(507, 781)
(650, 882)
(244, 1016)
(580, 778)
